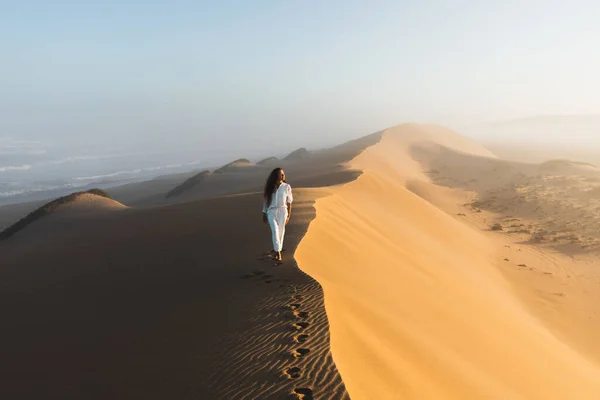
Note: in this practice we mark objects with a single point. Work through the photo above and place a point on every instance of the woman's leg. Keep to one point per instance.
(281, 217)
(277, 219)
(273, 223)
(281, 223)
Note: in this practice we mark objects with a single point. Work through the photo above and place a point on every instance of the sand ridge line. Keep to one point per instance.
(428, 318)
(285, 352)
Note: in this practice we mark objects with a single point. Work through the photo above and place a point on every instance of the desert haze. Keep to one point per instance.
(418, 264)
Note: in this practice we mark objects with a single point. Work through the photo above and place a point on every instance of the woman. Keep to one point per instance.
(277, 208)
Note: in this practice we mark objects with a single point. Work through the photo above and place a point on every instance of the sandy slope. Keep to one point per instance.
(163, 303)
(175, 301)
(63, 216)
(423, 304)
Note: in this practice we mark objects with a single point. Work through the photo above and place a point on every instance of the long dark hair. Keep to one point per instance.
(271, 185)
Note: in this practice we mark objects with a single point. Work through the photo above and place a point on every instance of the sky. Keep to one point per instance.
(259, 75)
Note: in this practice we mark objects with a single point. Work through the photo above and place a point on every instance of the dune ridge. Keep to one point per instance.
(297, 155)
(175, 298)
(418, 303)
(188, 184)
(234, 166)
(175, 313)
(407, 290)
(268, 161)
(91, 200)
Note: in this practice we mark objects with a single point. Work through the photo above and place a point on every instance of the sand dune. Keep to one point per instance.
(431, 269)
(164, 303)
(268, 161)
(236, 165)
(171, 301)
(10, 214)
(310, 172)
(188, 184)
(296, 155)
(566, 166)
(74, 205)
(419, 303)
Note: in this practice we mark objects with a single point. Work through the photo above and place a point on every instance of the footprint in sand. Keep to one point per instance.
(257, 273)
(304, 393)
(293, 372)
(300, 352)
(301, 314)
(300, 325)
(300, 338)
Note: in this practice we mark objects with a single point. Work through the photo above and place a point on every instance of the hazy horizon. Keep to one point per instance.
(198, 83)
(148, 75)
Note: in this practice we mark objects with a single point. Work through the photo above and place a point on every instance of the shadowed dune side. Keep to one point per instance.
(283, 351)
(161, 307)
(418, 306)
(324, 168)
(237, 180)
(174, 301)
(89, 201)
(234, 166)
(11, 214)
(298, 155)
(241, 180)
(151, 192)
(188, 184)
(268, 161)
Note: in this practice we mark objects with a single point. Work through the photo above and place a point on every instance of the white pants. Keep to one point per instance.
(276, 218)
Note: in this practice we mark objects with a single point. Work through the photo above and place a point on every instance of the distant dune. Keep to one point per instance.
(299, 154)
(94, 199)
(234, 166)
(188, 184)
(566, 166)
(268, 161)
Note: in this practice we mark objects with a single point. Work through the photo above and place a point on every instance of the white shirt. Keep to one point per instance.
(281, 197)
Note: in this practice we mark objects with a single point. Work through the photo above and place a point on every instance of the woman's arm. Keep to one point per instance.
(289, 210)
(264, 212)
(289, 200)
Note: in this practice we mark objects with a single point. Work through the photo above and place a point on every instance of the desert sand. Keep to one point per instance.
(417, 265)
(168, 296)
(426, 300)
